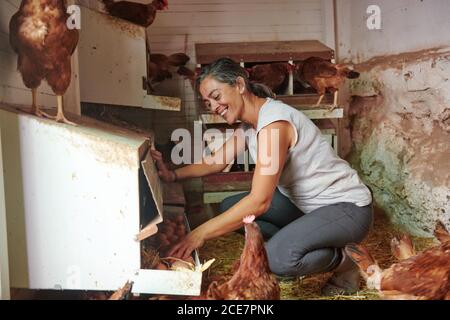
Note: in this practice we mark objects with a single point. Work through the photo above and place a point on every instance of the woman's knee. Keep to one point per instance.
(282, 261)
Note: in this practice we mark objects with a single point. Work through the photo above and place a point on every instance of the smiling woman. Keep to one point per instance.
(308, 202)
(223, 82)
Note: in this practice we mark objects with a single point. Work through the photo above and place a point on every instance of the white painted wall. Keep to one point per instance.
(399, 127)
(12, 89)
(407, 26)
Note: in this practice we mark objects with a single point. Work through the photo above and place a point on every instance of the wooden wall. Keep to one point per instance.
(198, 21)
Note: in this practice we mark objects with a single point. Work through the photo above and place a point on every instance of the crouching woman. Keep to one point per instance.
(309, 203)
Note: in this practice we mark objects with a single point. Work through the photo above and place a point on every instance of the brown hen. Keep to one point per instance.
(253, 279)
(323, 75)
(39, 35)
(137, 13)
(273, 75)
(425, 276)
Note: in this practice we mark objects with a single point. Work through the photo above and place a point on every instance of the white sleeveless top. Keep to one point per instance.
(313, 175)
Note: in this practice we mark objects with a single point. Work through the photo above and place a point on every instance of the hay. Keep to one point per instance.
(226, 250)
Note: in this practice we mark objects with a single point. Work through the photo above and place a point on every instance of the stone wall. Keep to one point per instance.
(399, 125)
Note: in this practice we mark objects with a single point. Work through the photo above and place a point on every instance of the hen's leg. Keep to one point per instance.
(60, 115)
(35, 108)
(402, 248)
(320, 100)
(335, 101)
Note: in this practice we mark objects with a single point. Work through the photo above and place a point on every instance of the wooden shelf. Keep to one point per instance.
(321, 112)
(265, 51)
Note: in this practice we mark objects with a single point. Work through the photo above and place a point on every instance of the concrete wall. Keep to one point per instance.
(398, 129)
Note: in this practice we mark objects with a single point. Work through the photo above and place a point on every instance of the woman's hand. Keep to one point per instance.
(164, 173)
(183, 249)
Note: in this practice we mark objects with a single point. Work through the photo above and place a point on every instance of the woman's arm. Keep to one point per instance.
(274, 142)
(213, 163)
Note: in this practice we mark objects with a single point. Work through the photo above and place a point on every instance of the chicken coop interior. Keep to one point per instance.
(89, 89)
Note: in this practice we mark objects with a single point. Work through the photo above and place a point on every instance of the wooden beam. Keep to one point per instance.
(217, 197)
(4, 265)
(263, 51)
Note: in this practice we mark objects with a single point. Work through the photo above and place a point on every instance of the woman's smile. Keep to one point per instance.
(222, 111)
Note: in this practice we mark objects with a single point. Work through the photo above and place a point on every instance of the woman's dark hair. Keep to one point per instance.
(227, 71)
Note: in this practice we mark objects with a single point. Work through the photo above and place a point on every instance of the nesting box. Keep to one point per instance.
(76, 199)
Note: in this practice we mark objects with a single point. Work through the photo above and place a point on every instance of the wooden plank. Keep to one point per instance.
(161, 103)
(172, 45)
(323, 113)
(230, 181)
(167, 282)
(4, 265)
(264, 51)
(227, 186)
(228, 177)
(245, 7)
(156, 189)
(217, 197)
(312, 113)
(173, 194)
(237, 18)
(307, 101)
(195, 33)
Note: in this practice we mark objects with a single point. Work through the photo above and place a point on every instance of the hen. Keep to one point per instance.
(273, 75)
(187, 74)
(425, 276)
(39, 35)
(323, 75)
(137, 13)
(253, 279)
(159, 65)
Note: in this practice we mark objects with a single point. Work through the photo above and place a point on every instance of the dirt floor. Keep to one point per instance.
(308, 288)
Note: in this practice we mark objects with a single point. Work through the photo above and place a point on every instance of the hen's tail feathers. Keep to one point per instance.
(360, 256)
(186, 72)
(402, 248)
(352, 74)
(108, 3)
(213, 292)
(441, 233)
(123, 293)
(178, 59)
(248, 219)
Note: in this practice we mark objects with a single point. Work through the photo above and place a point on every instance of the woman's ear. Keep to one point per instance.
(240, 82)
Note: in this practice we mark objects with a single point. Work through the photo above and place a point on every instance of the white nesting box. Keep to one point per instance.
(76, 197)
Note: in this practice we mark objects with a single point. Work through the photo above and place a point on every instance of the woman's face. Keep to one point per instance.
(223, 99)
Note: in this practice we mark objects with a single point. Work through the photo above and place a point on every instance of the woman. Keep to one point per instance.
(309, 203)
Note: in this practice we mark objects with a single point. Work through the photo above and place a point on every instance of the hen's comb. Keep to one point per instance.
(248, 219)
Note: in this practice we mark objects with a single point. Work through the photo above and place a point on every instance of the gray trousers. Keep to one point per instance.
(299, 244)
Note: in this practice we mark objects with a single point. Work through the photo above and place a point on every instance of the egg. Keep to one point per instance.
(161, 266)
